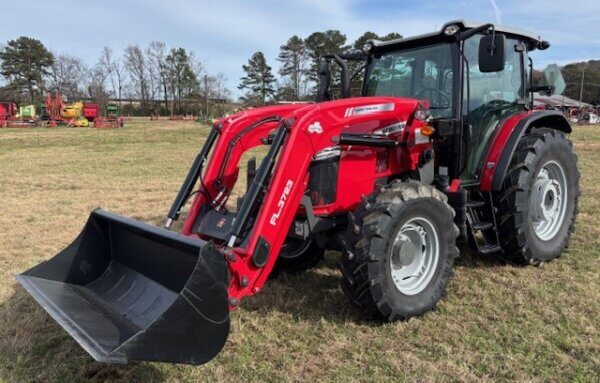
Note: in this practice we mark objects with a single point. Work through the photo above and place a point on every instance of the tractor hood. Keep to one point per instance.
(343, 108)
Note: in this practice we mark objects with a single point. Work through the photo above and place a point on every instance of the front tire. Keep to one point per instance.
(399, 251)
(538, 203)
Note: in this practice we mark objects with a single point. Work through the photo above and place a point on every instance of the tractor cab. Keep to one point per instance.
(472, 77)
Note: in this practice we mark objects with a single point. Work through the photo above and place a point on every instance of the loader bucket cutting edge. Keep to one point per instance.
(126, 290)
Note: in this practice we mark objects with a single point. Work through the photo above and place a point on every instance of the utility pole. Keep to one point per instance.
(206, 97)
(581, 88)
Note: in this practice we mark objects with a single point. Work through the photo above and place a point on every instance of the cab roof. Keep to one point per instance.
(533, 39)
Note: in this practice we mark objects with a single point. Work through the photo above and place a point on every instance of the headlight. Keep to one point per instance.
(451, 30)
(421, 114)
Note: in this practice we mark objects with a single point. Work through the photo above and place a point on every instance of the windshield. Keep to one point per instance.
(424, 73)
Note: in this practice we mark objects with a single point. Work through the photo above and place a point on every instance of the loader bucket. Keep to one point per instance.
(126, 290)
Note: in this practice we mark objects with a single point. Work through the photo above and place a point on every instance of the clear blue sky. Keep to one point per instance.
(225, 33)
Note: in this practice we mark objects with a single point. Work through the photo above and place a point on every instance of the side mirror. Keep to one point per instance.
(553, 78)
(491, 53)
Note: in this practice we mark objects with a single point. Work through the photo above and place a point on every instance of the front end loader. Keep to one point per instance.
(443, 146)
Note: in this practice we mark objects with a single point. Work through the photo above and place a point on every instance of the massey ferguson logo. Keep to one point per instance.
(369, 109)
(282, 200)
(315, 127)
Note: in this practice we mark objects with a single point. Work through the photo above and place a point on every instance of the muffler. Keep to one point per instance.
(126, 290)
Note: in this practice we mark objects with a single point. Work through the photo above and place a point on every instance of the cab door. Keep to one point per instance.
(488, 99)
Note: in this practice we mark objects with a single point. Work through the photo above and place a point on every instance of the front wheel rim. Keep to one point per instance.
(414, 256)
(549, 200)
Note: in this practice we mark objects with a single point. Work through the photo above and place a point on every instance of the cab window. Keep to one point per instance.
(423, 73)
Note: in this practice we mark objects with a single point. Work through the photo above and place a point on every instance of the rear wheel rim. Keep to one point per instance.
(414, 256)
(549, 201)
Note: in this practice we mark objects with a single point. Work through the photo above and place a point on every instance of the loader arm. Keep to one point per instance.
(236, 134)
(304, 133)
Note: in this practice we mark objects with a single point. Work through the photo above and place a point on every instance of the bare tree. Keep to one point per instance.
(157, 56)
(154, 87)
(67, 75)
(113, 67)
(118, 79)
(96, 87)
(136, 66)
(216, 89)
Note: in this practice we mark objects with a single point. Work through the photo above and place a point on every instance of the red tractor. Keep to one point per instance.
(444, 146)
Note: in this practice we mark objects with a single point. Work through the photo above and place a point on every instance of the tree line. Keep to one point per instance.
(163, 80)
(583, 80)
(173, 80)
(298, 60)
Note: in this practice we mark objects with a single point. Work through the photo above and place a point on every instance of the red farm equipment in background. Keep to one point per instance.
(113, 118)
(54, 106)
(8, 110)
(91, 111)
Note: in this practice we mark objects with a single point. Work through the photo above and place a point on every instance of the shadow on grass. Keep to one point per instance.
(33, 348)
(316, 294)
(313, 295)
(474, 260)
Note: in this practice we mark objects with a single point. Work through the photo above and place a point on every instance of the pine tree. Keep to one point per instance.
(183, 79)
(294, 57)
(25, 63)
(322, 43)
(258, 81)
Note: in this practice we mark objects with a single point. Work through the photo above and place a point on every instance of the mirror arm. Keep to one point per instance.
(531, 81)
(547, 89)
(472, 32)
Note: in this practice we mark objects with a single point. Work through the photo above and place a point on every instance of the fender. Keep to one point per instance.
(506, 140)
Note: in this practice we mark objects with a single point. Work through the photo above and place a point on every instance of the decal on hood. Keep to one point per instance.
(369, 109)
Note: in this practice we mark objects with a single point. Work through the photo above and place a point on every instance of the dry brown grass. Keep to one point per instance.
(499, 322)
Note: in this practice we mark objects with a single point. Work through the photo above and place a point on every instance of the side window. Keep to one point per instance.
(485, 88)
(423, 73)
(392, 76)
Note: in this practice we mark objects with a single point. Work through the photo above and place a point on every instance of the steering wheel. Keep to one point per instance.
(437, 97)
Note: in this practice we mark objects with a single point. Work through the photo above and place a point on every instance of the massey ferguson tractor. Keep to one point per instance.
(443, 146)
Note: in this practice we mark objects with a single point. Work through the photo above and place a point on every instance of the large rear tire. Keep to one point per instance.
(538, 202)
(399, 251)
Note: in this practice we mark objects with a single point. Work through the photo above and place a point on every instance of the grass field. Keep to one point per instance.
(499, 322)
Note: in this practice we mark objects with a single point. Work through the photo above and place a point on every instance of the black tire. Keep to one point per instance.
(520, 244)
(365, 263)
(297, 256)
